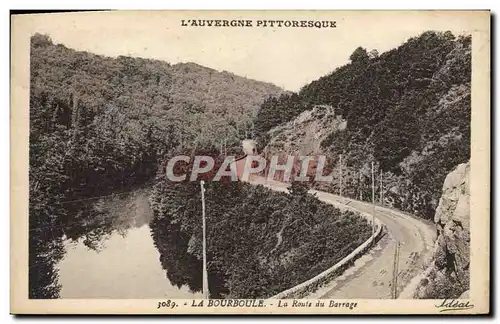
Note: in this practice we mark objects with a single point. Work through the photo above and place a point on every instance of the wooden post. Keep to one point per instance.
(373, 199)
(340, 174)
(360, 184)
(205, 292)
(395, 271)
(381, 189)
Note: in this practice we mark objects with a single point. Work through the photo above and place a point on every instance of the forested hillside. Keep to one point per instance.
(407, 110)
(99, 125)
(259, 242)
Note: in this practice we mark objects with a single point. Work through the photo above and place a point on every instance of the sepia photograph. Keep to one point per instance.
(267, 162)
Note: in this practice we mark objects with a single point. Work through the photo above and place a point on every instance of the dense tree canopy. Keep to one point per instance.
(407, 109)
(99, 125)
(259, 242)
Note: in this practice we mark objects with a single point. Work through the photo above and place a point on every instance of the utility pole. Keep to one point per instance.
(395, 271)
(373, 199)
(359, 187)
(205, 273)
(340, 173)
(225, 146)
(381, 189)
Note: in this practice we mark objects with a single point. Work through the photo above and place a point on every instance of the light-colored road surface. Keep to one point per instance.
(371, 275)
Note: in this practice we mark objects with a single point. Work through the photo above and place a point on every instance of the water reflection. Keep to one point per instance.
(182, 268)
(110, 252)
(126, 267)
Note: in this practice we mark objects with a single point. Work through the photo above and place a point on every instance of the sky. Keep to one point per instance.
(287, 57)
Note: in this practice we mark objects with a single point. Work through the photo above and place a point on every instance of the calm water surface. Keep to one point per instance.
(126, 264)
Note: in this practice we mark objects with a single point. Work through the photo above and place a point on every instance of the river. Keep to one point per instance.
(124, 263)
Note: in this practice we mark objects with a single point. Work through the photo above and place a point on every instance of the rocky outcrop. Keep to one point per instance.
(448, 276)
(453, 219)
(303, 135)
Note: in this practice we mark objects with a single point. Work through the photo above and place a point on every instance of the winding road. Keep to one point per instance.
(371, 275)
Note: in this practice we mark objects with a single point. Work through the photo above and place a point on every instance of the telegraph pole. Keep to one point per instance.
(395, 271)
(381, 189)
(373, 200)
(340, 173)
(205, 273)
(359, 187)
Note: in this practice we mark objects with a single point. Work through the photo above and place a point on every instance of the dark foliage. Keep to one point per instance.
(259, 242)
(407, 109)
(99, 125)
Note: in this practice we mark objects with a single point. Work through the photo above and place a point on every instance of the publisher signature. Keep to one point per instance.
(454, 304)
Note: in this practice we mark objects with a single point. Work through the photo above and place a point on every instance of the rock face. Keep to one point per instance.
(303, 135)
(453, 218)
(449, 273)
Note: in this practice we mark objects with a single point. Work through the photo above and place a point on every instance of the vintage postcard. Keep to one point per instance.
(250, 162)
